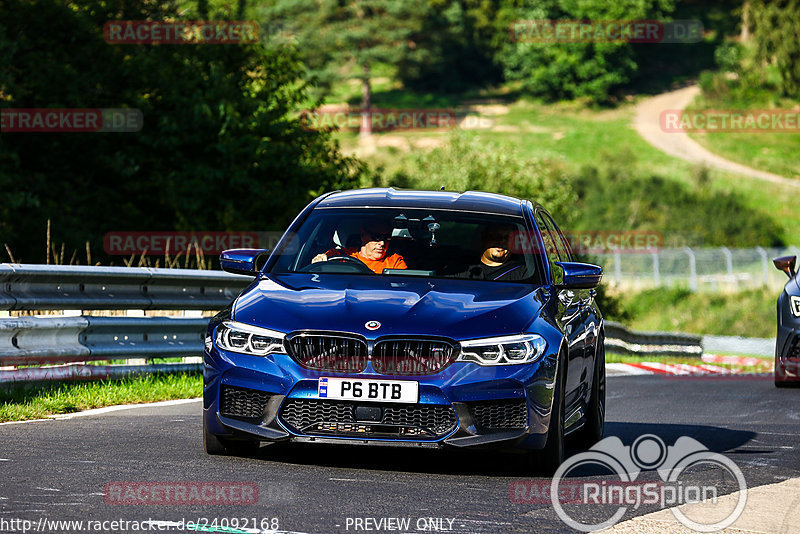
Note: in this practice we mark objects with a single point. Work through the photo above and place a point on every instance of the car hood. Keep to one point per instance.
(459, 309)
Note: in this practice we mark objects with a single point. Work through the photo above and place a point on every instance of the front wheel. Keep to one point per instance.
(547, 460)
(592, 430)
(784, 380)
(217, 446)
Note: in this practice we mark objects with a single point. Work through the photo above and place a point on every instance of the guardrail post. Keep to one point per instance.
(692, 268)
(728, 260)
(764, 264)
(656, 271)
(617, 267)
(728, 263)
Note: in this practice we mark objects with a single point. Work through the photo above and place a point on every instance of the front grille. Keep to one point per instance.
(329, 352)
(323, 417)
(243, 403)
(348, 353)
(499, 415)
(411, 356)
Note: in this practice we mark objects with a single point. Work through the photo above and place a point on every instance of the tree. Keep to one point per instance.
(222, 147)
(776, 34)
(555, 70)
(347, 38)
(456, 47)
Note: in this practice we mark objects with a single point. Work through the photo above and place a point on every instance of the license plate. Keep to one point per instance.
(368, 390)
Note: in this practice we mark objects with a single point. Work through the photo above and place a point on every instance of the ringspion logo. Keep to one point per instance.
(70, 120)
(683, 477)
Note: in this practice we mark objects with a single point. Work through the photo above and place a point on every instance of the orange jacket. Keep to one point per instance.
(395, 261)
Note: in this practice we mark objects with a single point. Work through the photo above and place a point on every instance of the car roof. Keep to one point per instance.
(473, 201)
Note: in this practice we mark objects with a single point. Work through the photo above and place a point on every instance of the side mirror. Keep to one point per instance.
(242, 260)
(574, 275)
(786, 264)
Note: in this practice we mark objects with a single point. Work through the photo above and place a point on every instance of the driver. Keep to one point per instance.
(374, 246)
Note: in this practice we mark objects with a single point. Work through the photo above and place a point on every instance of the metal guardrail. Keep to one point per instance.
(55, 340)
(64, 345)
(53, 287)
(622, 340)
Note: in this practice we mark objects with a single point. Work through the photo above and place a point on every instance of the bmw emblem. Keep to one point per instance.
(372, 325)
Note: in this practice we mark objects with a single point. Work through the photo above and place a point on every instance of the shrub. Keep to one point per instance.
(469, 162)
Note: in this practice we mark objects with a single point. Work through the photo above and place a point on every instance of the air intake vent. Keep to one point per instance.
(243, 403)
(500, 415)
(322, 417)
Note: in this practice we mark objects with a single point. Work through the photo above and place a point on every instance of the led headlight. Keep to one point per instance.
(247, 339)
(504, 350)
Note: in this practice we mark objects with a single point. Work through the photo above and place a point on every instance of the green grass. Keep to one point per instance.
(775, 152)
(580, 136)
(19, 403)
(749, 313)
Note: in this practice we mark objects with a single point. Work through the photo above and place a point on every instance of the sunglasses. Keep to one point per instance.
(379, 236)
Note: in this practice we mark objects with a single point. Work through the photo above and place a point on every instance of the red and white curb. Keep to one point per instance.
(680, 369)
(732, 360)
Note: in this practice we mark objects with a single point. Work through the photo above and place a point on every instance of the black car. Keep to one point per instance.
(787, 346)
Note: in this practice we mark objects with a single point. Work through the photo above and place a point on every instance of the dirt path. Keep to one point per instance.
(681, 145)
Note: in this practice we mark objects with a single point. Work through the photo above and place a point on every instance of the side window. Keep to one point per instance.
(549, 241)
(562, 245)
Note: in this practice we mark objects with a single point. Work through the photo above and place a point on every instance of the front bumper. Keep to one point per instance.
(787, 358)
(787, 346)
(465, 405)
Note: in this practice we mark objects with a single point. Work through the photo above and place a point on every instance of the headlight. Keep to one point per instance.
(505, 350)
(247, 339)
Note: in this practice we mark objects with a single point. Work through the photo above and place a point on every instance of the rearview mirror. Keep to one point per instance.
(786, 264)
(243, 260)
(574, 275)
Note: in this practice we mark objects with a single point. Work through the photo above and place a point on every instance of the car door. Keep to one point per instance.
(568, 313)
(589, 319)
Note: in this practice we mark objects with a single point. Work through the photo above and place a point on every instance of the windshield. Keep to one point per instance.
(411, 242)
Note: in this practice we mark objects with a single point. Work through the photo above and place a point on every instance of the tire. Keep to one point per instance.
(211, 443)
(782, 380)
(547, 460)
(216, 446)
(783, 383)
(592, 430)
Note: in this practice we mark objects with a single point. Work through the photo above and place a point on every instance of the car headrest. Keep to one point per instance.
(348, 233)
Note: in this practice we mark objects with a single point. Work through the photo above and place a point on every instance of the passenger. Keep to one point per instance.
(496, 262)
(374, 246)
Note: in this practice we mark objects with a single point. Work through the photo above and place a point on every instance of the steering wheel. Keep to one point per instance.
(349, 261)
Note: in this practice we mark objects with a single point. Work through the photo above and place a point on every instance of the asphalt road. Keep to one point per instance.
(61, 470)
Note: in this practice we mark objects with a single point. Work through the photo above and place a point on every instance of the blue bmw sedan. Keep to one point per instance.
(417, 318)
